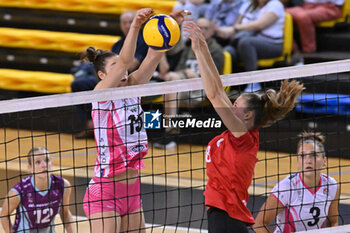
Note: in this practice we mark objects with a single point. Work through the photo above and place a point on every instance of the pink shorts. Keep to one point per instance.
(105, 195)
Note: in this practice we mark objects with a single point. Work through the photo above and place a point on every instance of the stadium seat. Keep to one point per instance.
(49, 40)
(92, 6)
(287, 45)
(345, 18)
(44, 82)
(227, 68)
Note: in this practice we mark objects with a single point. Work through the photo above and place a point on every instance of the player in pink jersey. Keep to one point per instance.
(38, 198)
(231, 156)
(305, 200)
(112, 201)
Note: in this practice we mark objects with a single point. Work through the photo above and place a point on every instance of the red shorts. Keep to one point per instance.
(105, 195)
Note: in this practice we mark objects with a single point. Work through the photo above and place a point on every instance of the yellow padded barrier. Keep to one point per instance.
(93, 6)
(48, 40)
(287, 44)
(44, 82)
(344, 18)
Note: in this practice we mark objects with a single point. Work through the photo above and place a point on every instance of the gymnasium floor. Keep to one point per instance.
(171, 178)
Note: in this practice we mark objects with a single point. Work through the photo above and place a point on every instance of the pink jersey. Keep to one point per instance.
(120, 137)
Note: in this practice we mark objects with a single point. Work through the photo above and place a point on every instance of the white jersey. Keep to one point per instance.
(274, 32)
(120, 136)
(305, 209)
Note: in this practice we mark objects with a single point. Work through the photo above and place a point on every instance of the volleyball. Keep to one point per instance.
(161, 32)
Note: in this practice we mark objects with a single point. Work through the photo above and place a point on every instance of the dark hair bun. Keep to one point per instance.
(91, 54)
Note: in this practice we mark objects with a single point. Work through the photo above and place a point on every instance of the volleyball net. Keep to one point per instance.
(177, 113)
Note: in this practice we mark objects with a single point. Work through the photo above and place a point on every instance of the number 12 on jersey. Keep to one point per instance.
(43, 215)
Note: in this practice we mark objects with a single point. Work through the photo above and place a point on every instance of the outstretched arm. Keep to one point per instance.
(126, 55)
(212, 83)
(66, 215)
(267, 214)
(147, 68)
(263, 22)
(333, 213)
(150, 63)
(10, 204)
(267, 19)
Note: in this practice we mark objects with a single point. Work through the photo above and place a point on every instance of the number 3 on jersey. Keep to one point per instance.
(315, 211)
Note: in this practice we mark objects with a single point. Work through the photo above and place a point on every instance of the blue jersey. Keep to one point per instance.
(37, 209)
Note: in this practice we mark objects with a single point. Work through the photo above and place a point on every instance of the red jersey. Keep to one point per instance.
(230, 168)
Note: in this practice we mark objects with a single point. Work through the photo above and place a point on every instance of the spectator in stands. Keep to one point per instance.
(187, 68)
(196, 7)
(84, 80)
(223, 13)
(85, 76)
(38, 198)
(141, 48)
(258, 33)
(172, 57)
(304, 200)
(308, 15)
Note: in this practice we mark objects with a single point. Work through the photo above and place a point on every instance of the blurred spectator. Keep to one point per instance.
(223, 13)
(188, 68)
(196, 7)
(85, 76)
(257, 34)
(308, 15)
(169, 61)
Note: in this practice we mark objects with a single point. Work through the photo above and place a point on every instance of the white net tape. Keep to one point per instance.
(153, 89)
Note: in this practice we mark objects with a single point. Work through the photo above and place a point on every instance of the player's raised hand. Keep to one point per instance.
(195, 34)
(180, 16)
(142, 15)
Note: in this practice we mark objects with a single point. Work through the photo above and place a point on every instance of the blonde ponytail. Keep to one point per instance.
(272, 106)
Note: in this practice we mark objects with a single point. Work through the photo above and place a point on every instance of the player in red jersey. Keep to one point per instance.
(231, 156)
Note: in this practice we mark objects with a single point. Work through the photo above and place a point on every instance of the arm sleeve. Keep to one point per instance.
(209, 13)
(275, 7)
(243, 8)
